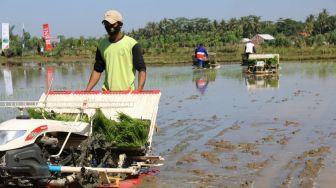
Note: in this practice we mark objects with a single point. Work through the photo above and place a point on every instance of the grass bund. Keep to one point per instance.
(224, 54)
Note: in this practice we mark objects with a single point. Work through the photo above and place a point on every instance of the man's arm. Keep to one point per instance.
(94, 78)
(141, 80)
(98, 68)
(139, 65)
(206, 53)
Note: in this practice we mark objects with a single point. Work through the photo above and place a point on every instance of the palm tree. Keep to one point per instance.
(309, 24)
(268, 27)
(234, 26)
(251, 25)
(321, 22)
(289, 27)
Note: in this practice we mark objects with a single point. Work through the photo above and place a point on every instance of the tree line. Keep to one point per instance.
(168, 35)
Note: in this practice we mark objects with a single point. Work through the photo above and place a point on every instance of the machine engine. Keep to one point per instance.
(25, 167)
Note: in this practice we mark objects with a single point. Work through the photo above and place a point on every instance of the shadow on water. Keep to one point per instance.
(220, 127)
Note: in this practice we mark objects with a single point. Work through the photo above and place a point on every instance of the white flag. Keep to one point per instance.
(5, 36)
(8, 81)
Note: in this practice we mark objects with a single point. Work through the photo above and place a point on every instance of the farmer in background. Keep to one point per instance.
(249, 48)
(201, 55)
(120, 56)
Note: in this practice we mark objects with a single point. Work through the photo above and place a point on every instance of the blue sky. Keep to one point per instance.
(74, 18)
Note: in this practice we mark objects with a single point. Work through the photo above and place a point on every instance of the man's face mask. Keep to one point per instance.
(112, 29)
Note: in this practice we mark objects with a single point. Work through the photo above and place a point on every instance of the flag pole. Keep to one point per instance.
(23, 39)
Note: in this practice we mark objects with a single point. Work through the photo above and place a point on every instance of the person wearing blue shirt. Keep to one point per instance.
(201, 55)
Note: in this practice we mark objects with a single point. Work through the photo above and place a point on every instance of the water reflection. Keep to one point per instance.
(202, 78)
(29, 80)
(254, 81)
(7, 74)
(50, 77)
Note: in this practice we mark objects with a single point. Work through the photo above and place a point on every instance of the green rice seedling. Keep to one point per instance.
(36, 113)
(127, 132)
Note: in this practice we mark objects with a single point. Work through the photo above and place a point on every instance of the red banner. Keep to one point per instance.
(46, 35)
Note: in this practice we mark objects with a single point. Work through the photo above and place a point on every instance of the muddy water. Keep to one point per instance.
(220, 128)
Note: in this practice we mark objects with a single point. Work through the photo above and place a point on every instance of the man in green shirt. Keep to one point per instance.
(120, 56)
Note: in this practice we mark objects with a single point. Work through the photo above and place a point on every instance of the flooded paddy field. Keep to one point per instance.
(220, 128)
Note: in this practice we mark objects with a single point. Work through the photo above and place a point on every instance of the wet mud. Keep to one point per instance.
(278, 137)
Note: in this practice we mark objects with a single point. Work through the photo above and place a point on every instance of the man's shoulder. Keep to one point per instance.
(103, 40)
(131, 39)
(201, 49)
(103, 43)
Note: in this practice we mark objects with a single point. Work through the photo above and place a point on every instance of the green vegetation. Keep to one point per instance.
(41, 114)
(127, 132)
(173, 40)
(251, 62)
(273, 61)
